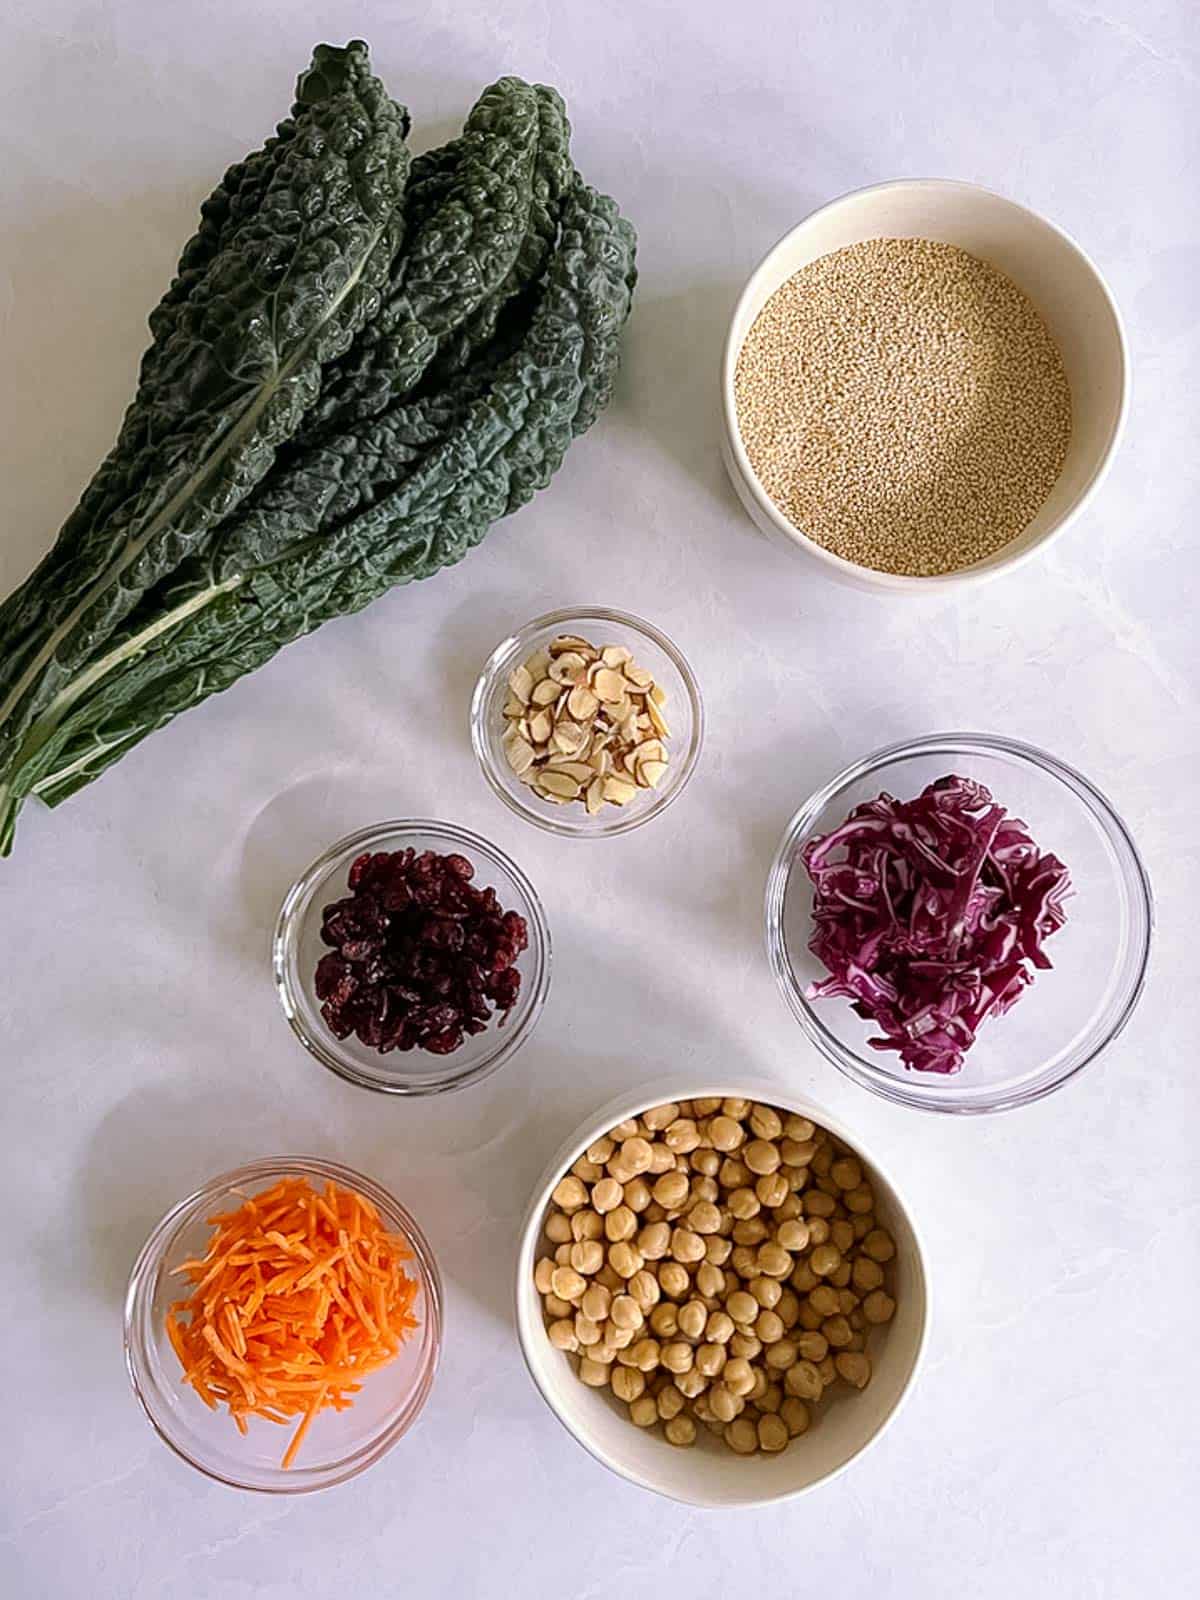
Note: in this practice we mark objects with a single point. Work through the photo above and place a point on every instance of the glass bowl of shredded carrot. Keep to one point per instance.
(283, 1325)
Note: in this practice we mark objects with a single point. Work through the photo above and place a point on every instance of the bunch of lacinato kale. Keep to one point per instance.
(362, 363)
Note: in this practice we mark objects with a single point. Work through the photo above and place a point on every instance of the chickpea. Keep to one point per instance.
(717, 1250)
(710, 1359)
(693, 1318)
(637, 1195)
(706, 1162)
(735, 1107)
(625, 1312)
(671, 1190)
(593, 1373)
(761, 1384)
(735, 1174)
(765, 1122)
(738, 1376)
(859, 1201)
(586, 1225)
(788, 1308)
(863, 1225)
(587, 1171)
(705, 1189)
(857, 1321)
(742, 1307)
(773, 1260)
(744, 1261)
(793, 1234)
(771, 1399)
(645, 1354)
(726, 1134)
(841, 1234)
(567, 1284)
(673, 1279)
(643, 1413)
(827, 1370)
(707, 1106)
(687, 1246)
(608, 1279)
(866, 1274)
(789, 1210)
(846, 1173)
(819, 1204)
(569, 1193)
(798, 1127)
(838, 1331)
(662, 1159)
(704, 1216)
(812, 1346)
(847, 1301)
(587, 1256)
(824, 1299)
(600, 1151)
(682, 1136)
(745, 1344)
(772, 1434)
(628, 1384)
(557, 1307)
(677, 1356)
(710, 1280)
(825, 1259)
(629, 1129)
(768, 1327)
(562, 1335)
(619, 1338)
(654, 1240)
(680, 1431)
(878, 1306)
(660, 1117)
(624, 1259)
(858, 1341)
(542, 1275)
(558, 1228)
(796, 1152)
(795, 1416)
(809, 1319)
(741, 1436)
(854, 1367)
(761, 1157)
(767, 1291)
(620, 1224)
(691, 1383)
(752, 1231)
(719, 1327)
(643, 1286)
(664, 1320)
(818, 1231)
(823, 1159)
(772, 1189)
(781, 1355)
(878, 1245)
(803, 1278)
(803, 1379)
(604, 1353)
(670, 1402)
(586, 1331)
(743, 1204)
(724, 1405)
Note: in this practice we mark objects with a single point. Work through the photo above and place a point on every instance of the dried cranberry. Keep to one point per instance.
(419, 957)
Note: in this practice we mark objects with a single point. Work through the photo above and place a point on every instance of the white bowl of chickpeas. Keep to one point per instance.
(720, 1294)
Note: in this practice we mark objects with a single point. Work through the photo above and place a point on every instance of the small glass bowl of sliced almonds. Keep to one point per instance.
(587, 721)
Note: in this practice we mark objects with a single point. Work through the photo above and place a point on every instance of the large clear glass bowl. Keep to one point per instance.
(298, 946)
(338, 1445)
(684, 712)
(1070, 1013)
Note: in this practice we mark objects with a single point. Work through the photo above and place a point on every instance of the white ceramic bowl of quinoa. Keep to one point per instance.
(1067, 291)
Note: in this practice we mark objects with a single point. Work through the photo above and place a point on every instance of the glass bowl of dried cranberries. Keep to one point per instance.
(412, 957)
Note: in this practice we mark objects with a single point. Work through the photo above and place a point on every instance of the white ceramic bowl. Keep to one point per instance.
(1058, 277)
(709, 1474)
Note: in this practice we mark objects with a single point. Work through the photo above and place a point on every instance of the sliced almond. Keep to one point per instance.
(513, 707)
(545, 693)
(601, 762)
(651, 773)
(520, 755)
(579, 770)
(520, 681)
(568, 641)
(568, 668)
(619, 791)
(657, 721)
(609, 685)
(638, 676)
(659, 695)
(615, 655)
(538, 664)
(582, 703)
(559, 783)
(569, 738)
(541, 727)
(595, 796)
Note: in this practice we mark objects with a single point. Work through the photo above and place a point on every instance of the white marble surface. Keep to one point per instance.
(1051, 1447)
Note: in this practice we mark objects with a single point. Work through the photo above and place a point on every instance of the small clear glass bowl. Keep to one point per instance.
(298, 946)
(1070, 1013)
(339, 1444)
(684, 713)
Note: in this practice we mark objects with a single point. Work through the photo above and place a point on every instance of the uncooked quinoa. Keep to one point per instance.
(903, 404)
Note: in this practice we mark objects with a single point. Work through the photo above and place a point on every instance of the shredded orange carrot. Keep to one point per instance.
(298, 1297)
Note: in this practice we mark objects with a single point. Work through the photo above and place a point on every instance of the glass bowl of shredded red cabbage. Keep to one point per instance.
(960, 923)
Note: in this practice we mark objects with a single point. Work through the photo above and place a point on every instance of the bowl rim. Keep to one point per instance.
(548, 818)
(991, 566)
(146, 1266)
(507, 1043)
(629, 1103)
(858, 1068)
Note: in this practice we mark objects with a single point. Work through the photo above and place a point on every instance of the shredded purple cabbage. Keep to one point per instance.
(929, 915)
